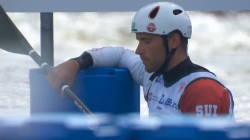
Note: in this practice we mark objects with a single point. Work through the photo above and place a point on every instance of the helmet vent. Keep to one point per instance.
(177, 12)
(154, 12)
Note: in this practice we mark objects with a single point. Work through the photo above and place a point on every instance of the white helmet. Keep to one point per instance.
(162, 18)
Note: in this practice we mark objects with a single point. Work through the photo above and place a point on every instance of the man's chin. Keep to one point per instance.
(149, 70)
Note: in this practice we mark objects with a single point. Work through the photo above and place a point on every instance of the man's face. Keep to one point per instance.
(151, 50)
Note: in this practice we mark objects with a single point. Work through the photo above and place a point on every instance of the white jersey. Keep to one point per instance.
(159, 95)
(165, 99)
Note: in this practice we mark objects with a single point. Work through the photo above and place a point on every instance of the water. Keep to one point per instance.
(220, 42)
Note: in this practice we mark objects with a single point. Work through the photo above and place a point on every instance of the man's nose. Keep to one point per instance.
(139, 49)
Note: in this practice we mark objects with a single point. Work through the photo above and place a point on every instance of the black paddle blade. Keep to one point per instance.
(11, 39)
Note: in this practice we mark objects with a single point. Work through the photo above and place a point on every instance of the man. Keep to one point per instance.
(172, 84)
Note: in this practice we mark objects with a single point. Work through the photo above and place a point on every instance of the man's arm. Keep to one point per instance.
(101, 57)
(121, 57)
(206, 98)
(84, 61)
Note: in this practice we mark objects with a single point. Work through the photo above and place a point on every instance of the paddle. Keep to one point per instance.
(12, 40)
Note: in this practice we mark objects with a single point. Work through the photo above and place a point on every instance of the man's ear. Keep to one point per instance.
(175, 41)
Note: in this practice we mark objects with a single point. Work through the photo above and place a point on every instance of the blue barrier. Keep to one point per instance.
(102, 90)
(62, 127)
(183, 127)
(109, 127)
(10, 129)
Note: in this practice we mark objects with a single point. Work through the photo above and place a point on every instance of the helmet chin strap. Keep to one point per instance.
(167, 59)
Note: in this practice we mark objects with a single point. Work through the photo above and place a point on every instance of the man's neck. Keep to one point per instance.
(175, 61)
